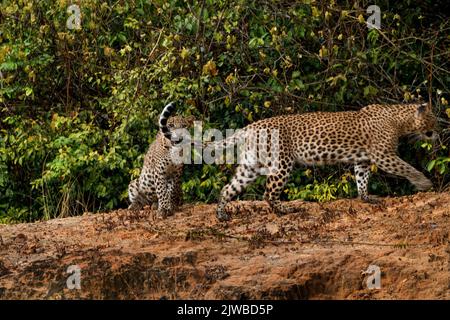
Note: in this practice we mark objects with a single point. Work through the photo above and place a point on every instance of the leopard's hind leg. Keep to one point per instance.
(140, 197)
(245, 175)
(276, 180)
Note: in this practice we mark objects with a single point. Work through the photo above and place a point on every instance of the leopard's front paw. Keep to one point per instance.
(424, 185)
(281, 209)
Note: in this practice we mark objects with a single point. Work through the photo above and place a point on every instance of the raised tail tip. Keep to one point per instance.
(168, 109)
(165, 114)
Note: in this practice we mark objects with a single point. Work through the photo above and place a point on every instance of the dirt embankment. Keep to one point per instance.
(322, 253)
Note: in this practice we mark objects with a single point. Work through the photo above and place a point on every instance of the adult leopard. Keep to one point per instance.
(365, 137)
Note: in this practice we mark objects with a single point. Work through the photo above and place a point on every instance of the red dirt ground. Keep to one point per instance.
(319, 254)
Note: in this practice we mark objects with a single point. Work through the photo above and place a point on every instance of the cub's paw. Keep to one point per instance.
(222, 216)
(135, 206)
(164, 213)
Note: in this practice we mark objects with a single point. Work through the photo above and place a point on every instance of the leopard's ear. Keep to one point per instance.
(191, 119)
(421, 110)
(427, 106)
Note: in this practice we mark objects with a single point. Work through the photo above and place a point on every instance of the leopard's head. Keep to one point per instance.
(180, 122)
(179, 127)
(425, 122)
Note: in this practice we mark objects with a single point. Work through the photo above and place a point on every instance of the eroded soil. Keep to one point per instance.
(319, 253)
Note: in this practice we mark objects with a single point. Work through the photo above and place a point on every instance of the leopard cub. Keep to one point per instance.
(160, 180)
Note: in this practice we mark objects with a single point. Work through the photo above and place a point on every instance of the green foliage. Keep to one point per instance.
(78, 107)
(205, 184)
(321, 191)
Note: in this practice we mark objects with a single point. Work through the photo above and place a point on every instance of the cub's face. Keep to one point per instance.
(179, 126)
(179, 122)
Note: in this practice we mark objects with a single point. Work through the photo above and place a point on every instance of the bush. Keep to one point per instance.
(78, 107)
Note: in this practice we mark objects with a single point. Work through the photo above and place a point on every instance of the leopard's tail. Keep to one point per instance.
(228, 141)
(165, 114)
